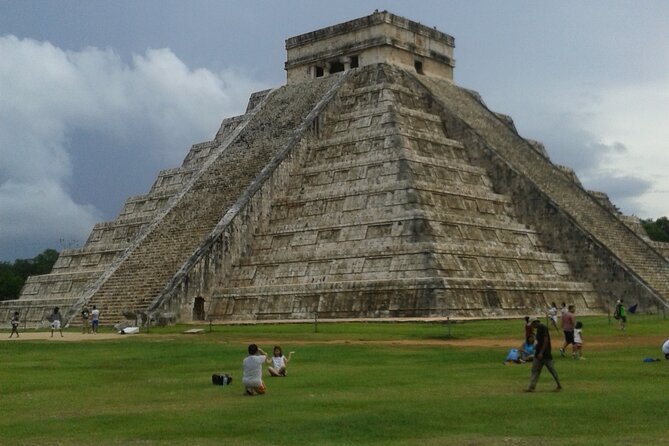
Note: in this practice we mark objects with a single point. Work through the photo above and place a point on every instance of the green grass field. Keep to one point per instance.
(368, 384)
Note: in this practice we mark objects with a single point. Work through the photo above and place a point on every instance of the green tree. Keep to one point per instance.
(657, 230)
(14, 275)
(10, 284)
(663, 223)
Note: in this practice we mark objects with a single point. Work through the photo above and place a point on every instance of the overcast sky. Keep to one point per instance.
(97, 96)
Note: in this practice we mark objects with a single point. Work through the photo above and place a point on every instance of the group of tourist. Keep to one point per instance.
(252, 368)
(86, 327)
(55, 321)
(537, 346)
(90, 320)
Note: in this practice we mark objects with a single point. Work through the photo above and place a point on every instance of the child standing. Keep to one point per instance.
(56, 322)
(15, 324)
(553, 315)
(578, 341)
(278, 362)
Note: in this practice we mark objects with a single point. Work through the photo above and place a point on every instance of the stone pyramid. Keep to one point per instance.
(369, 186)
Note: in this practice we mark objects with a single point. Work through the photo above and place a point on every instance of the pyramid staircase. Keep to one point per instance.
(77, 271)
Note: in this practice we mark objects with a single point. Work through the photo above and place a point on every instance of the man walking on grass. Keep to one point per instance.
(542, 356)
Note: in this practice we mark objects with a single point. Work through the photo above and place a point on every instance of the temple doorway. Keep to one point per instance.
(198, 309)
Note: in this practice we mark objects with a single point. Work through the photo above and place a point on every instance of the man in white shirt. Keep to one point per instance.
(95, 319)
(665, 349)
(252, 368)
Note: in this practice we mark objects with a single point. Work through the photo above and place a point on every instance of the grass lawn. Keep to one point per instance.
(350, 383)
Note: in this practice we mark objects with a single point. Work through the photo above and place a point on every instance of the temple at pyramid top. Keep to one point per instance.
(381, 37)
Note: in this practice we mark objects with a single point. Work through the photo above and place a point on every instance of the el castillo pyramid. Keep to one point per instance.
(368, 186)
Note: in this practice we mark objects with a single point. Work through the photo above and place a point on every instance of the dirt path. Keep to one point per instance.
(67, 336)
(595, 343)
(502, 343)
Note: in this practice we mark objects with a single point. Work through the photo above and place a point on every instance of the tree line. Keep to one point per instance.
(13, 275)
(657, 230)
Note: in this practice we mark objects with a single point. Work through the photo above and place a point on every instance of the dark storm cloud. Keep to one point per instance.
(81, 128)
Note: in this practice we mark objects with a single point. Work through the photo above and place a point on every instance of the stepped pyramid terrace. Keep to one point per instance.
(369, 186)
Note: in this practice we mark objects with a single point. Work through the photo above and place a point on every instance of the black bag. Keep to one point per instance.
(221, 379)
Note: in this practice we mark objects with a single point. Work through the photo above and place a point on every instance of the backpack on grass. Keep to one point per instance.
(221, 379)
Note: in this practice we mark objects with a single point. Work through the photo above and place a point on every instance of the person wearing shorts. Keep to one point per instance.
(15, 324)
(252, 371)
(56, 322)
(278, 361)
(568, 323)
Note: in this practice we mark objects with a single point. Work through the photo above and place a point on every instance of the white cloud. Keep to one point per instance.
(48, 97)
(636, 116)
(613, 135)
(29, 212)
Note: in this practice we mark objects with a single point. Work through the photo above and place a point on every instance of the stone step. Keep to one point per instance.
(397, 298)
(147, 267)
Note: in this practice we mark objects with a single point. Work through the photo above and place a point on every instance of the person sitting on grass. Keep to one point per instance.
(527, 349)
(278, 362)
(252, 371)
(665, 349)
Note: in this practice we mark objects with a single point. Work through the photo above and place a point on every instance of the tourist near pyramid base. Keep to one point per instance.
(370, 186)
